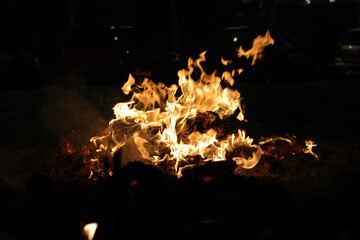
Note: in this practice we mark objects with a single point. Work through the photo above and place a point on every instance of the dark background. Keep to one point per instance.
(45, 192)
(39, 26)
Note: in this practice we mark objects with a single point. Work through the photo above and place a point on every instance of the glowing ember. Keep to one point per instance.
(165, 127)
(68, 149)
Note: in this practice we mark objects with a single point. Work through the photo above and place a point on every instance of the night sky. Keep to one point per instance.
(39, 26)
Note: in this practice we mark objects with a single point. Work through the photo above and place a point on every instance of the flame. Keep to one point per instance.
(160, 123)
(309, 145)
(259, 43)
(89, 230)
(225, 62)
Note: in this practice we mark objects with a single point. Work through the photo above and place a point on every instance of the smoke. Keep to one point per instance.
(69, 110)
(36, 123)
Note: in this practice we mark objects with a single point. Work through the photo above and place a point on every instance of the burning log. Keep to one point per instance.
(205, 121)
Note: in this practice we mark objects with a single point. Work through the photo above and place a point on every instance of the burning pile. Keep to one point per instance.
(188, 124)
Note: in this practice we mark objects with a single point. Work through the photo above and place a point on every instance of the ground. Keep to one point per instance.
(35, 121)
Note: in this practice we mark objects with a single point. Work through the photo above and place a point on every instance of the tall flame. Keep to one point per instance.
(158, 122)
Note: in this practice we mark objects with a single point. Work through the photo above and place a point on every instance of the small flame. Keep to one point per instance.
(309, 145)
(89, 230)
(259, 43)
(225, 62)
(127, 87)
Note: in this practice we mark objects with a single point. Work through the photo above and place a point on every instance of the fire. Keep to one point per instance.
(167, 127)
